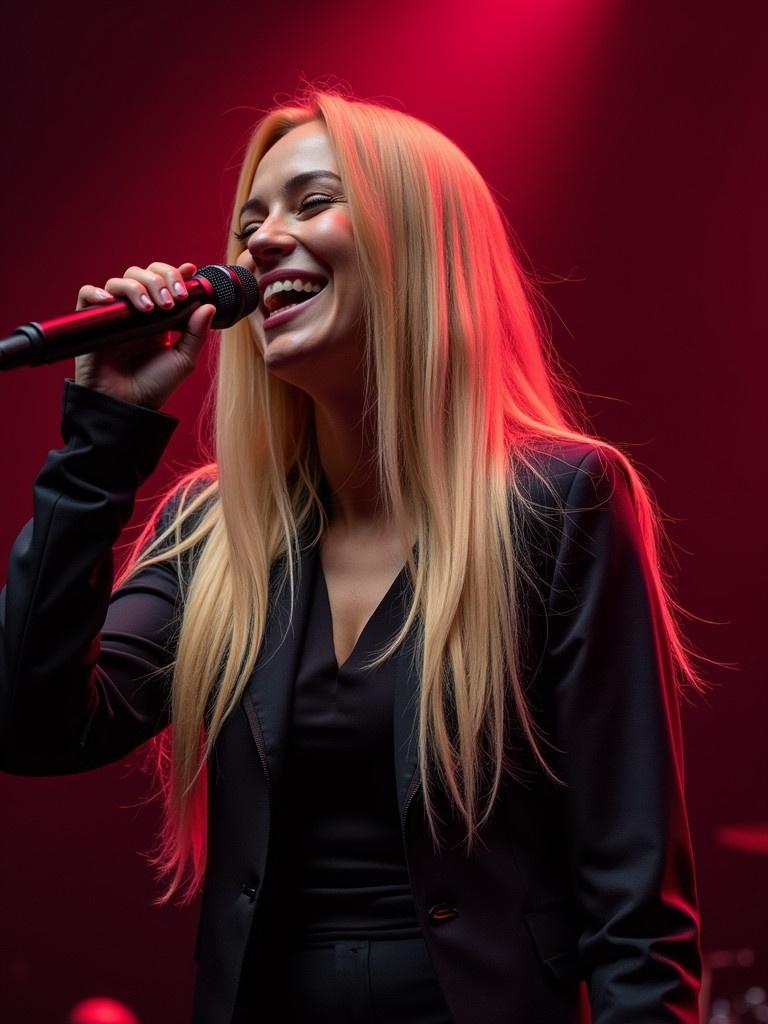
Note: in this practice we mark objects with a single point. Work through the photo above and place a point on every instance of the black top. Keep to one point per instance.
(338, 866)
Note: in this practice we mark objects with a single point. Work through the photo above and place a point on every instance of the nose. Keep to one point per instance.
(270, 242)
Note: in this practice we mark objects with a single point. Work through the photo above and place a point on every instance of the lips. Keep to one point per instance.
(286, 274)
(282, 315)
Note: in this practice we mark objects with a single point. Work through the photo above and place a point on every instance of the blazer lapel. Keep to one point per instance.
(267, 699)
(405, 712)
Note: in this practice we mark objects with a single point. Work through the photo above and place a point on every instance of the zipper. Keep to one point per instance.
(413, 789)
(255, 727)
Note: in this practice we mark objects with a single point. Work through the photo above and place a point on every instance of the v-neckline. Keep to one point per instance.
(371, 617)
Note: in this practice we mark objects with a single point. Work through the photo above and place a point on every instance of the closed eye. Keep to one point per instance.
(316, 199)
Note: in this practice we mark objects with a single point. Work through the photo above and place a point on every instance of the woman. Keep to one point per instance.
(407, 551)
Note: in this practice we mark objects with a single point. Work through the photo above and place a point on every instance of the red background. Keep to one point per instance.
(624, 143)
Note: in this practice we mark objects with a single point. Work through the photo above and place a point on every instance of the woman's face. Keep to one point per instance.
(297, 228)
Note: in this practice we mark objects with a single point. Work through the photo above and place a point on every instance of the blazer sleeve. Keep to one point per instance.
(83, 674)
(617, 727)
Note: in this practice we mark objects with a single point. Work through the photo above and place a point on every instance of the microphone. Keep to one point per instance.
(232, 289)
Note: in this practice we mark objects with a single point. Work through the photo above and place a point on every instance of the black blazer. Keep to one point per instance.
(591, 880)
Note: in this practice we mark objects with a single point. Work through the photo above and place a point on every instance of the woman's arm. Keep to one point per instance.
(618, 726)
(77, 691)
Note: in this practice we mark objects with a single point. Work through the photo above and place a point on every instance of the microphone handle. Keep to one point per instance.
(87, 330)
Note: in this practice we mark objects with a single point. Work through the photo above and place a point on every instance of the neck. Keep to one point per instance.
(346, 442)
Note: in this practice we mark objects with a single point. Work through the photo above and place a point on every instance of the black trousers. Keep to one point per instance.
(366, 981)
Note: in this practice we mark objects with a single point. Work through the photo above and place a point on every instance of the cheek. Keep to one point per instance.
(245, 260)
(334, 239)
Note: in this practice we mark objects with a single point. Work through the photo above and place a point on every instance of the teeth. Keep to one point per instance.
(289, 285)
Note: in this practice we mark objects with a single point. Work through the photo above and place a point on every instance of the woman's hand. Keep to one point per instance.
(145, 371)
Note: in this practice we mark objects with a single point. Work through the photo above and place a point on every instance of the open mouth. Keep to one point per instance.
(284, 300)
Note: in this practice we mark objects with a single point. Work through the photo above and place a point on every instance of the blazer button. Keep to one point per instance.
(249, 890)
(442, 912)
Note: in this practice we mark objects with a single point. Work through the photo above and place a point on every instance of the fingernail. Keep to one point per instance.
(146, 302)
(179, 288)
(103, 293)
(165, 296)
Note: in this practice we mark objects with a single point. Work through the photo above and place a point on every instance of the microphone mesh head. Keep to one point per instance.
(236, 291)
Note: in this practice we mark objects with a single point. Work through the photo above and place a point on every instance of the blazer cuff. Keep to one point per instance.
(135, 433)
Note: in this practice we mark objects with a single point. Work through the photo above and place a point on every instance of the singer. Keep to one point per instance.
(405, 647)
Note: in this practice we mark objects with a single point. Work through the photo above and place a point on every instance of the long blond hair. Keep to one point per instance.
(464, 381)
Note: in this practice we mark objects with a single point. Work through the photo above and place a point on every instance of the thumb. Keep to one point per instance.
(196, 332)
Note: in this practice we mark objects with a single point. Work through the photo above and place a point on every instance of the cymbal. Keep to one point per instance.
(748, 838)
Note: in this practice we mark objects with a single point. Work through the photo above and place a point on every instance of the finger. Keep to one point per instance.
(132, 289)
(193, 338)
(172, 277)
(158, 285)
(90, 295)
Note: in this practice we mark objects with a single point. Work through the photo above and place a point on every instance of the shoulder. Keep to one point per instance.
(553, 473)
(573, 496)
(197, 488)
(182, 509)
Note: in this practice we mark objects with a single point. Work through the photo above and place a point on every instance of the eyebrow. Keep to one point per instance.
(255, 203)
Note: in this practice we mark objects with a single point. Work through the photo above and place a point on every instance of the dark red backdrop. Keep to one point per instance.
(624, 142)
